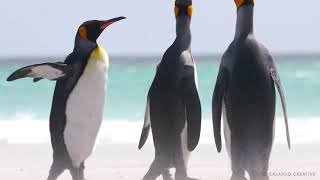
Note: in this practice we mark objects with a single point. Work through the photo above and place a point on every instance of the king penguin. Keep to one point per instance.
(245, 94)
(78, 100)
(173, 106)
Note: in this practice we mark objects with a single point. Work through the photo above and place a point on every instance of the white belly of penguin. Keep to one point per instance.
(84, 111)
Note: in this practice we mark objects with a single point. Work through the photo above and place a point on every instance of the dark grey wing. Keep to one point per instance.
(146, 126)
(193, 108)
(217, 101)
(51, 71)
(276, 79)
(36, 79)
(147, 118)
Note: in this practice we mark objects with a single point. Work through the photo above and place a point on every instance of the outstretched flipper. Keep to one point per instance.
(51, 71)
(146, 126)
(193, 111)
(36, 79)
(217, 101)
(276, 80)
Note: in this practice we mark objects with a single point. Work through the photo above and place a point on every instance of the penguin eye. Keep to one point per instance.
(190, 10)
(83, 33)
(176, 11)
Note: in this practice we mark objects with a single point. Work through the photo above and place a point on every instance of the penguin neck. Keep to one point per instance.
(244, 25)
(183, 32)
(82, 45)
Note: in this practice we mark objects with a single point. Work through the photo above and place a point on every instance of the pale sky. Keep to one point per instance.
(43, 28)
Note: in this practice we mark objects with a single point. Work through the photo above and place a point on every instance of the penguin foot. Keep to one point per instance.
(77, 174)
(189, 178)
(238, 178)
(149, 177)
(168, 178)
(186, 178)
(238, 174)
(166, 175)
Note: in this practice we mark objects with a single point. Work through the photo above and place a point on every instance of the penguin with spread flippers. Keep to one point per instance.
(78, 100)
(173, 109)
(245, 94)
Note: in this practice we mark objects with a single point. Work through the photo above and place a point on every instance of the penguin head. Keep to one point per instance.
(240, 3)
(91, 30)
(183, 8)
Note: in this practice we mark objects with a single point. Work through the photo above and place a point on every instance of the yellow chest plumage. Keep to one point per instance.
(98, 53)
(98, 59)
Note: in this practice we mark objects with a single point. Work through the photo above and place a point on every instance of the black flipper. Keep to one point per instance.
(193, 111)
(146, 126)
(217, 101)
(51, 71)
(36, 79)
(276, 80)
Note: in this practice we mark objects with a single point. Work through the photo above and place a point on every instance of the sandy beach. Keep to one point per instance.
(125, 162)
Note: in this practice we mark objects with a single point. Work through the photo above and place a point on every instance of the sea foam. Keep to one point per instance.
(25, 130)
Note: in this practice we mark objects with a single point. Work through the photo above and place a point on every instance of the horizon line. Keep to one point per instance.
(276, 54)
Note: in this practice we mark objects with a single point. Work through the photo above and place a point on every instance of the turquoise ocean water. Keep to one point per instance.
(129, 79)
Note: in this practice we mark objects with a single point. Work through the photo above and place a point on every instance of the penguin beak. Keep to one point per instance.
(107, 23)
